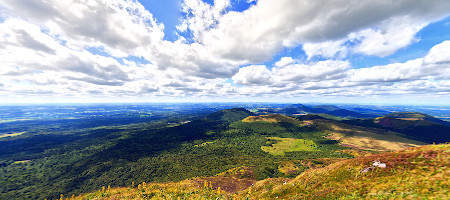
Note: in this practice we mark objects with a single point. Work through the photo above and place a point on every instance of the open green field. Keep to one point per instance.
(283, 145)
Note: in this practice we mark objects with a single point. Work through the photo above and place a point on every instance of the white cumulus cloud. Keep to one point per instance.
(117, 48)
(264, 29)
(253, 75)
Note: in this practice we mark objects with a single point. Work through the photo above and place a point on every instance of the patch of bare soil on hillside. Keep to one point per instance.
(233, 180)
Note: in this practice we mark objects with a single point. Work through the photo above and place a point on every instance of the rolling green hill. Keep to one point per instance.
(415, 116)
(273, 118)
(323, 109)
(413, 125)
(230, 115)
(364, 138)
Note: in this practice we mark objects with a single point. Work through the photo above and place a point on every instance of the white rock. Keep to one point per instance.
(379, 164)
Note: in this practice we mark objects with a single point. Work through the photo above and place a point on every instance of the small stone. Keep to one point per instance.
(367, 169)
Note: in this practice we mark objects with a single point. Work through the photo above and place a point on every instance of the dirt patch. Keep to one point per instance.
(227, 184)
(232, 180)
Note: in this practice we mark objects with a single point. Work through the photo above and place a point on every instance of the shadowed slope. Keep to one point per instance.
(365, 138)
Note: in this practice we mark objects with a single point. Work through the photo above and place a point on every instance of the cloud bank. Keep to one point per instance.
(115, 49)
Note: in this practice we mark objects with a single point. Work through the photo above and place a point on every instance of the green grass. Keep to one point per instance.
(284, 145)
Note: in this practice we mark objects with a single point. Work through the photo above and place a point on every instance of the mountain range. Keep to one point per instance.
(323, 109)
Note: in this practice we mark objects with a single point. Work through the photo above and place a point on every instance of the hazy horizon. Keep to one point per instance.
(225, 102)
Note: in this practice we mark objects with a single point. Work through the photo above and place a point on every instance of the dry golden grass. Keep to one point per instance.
(170, 191)
(366, 138)
(294, 166)
(357, 152)
(12, 134)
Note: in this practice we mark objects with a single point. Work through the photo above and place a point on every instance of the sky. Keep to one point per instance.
(341, 51)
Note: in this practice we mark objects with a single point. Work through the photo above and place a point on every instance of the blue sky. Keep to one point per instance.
(225, 50)
(167, 12)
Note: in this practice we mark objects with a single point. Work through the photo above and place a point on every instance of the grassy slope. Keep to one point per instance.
(365, 138)
(414, 173)
(347, 135)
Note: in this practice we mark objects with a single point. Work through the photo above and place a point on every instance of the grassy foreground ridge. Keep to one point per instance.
(412, 173)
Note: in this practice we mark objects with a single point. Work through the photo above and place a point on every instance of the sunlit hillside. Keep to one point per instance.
(413, 173)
